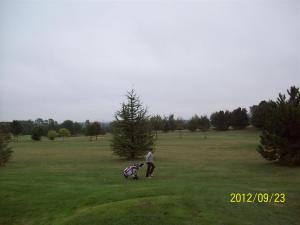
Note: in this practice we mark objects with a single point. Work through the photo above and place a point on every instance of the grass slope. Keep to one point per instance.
(80, 182)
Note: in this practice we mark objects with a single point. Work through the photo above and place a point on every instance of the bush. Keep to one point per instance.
(36, 133)
(5, 151)
(280, 139)
(193, 123)
(52, 134)
(64, 132)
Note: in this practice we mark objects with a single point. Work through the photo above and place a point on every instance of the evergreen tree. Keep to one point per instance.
(16, 128)
(180, 125)
(89, 130)
(5, 150)
(204, 123)
(260, 112)
(280, 139)
(165, 122)
(96, 129)
(131, 130)
(193, 123)
(171, 122)
(239, 118)
(220, 120)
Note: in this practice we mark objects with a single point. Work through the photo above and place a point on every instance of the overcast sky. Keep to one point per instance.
(76, 59)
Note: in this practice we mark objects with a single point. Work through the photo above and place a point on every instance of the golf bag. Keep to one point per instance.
(132, 171)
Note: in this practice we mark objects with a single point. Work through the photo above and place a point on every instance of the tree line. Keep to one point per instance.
(132, 129)
(221, 120)
(52, 129)
(278, 120)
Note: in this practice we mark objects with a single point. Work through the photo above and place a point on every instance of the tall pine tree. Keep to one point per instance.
(132, 131)
(280, 139)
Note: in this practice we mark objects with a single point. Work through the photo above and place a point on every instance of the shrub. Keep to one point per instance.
(5, 151)
(36, 133)
(52, 134)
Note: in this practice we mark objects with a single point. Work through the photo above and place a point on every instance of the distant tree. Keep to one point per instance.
(204, 123)
(156, 123)
(180, 125)
(39, 122)
(64, 132)
(5, 127)
(43, 125)
(89, 130)
(165, 124)
(5, 150)
(37, 133)
(52, 124)
(132, 131)
(97, 130)
(280, 139)
(27, 126)
(52, 134)
(220, 120)
(16, 128)
(106, 127)
(260, 112)
(239, 118)
(193, 123)
(77, 128)
(171, 122)
(68, 124)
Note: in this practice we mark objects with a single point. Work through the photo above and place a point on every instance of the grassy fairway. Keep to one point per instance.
(80, 182)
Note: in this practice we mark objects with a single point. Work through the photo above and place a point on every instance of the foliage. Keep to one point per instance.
(94, 129)
(280, 139)
(64, 132)
(68, 124)
(193, 123)
(239, 118)
(204, 123)
(52, 134)
(220, 120)
(260, 112)
(180, 124)
(165, 124)
(52, 125)
(77, 128)
(37, 133)
(171, 122)
(5, 150)
(132, 131)
(157, 123)
(16, 128)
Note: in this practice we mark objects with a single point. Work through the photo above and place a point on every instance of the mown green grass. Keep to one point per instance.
(79, 182)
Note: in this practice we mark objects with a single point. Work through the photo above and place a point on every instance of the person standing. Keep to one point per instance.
(150, 164)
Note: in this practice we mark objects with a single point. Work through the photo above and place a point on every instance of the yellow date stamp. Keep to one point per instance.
(257, 198)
